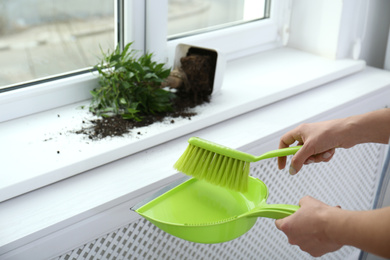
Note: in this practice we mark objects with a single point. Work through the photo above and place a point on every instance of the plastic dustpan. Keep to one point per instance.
(201, 212)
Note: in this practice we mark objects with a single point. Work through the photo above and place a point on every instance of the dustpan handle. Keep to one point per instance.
(275, 211)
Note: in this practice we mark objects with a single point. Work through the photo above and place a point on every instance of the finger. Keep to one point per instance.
(284, 142)
(305, 199)
(278, 223)
(288, 139)
(310, 160)
(282, 162)
(321, 157)
(299, 159)
(324, 156)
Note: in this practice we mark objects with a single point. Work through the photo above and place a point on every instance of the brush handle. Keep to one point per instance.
(279, 152)
(275, 211)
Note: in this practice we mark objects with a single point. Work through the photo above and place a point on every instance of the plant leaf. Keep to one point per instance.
(129, 85)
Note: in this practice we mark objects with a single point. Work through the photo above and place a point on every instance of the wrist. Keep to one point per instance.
(334, 220)
(350, 131)
(370, 127)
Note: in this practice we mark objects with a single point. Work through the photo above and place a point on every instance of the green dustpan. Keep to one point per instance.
(201, 212)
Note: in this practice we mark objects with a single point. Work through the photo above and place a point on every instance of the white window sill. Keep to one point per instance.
(116, 186)
(41, 149)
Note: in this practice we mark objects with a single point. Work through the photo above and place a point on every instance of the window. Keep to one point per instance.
(47, 39)
(187, 17)
(44, 38)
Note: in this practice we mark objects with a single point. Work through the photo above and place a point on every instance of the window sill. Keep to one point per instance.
(36, 157)
(116, 186)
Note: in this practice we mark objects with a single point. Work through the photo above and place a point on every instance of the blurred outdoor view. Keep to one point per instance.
(40, 38)
(43, 38)
(193, 16)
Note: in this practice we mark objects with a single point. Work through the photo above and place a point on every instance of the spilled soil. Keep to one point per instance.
(117, 126)
(198, 67)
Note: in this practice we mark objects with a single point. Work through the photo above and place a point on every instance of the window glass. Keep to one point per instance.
(42, 38)
(187, 17)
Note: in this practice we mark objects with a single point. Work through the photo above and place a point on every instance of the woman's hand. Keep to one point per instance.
(307, 227)
(320, 139)
(319, 142)
(318, 228)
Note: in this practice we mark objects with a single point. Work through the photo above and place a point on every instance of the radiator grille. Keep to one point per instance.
(349, 180)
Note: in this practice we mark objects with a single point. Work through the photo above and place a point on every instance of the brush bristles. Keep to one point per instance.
(214, 168)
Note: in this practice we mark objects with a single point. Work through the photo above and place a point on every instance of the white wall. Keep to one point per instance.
(375, 42)
(315, 26)
(331, 28)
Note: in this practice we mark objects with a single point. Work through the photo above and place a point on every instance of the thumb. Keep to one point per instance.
(279, 223)
(299, 159)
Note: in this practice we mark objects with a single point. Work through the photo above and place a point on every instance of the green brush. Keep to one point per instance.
(221, 165)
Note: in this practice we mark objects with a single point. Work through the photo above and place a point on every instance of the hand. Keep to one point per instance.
(307, 227)
(319, 141)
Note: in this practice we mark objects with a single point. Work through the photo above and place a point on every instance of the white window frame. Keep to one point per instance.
(235, 42)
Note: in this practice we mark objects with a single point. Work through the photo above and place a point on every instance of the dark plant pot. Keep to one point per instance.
(216, 67)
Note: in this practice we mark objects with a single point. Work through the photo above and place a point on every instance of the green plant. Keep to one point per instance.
(130, 85)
